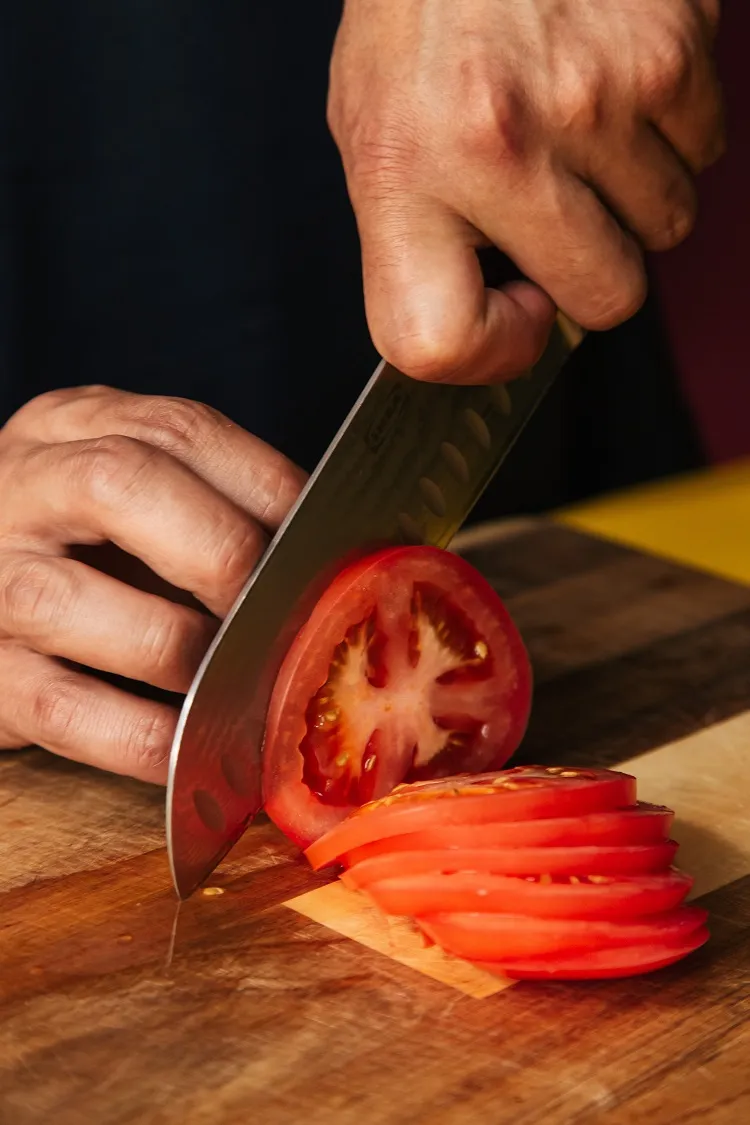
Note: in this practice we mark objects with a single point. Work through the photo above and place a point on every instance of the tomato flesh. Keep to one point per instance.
(643, 824)
(524, 792)
(563, 896)
(409, 667)
(534, 872)
(503, 937)
(601, 964)
(614, 860)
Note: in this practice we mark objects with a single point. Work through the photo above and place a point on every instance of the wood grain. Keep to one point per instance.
(116, 1009)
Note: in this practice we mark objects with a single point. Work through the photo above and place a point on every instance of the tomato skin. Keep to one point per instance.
(601, 964)
(531, 873)
(503, 937)
(503, 701)
(617, 860)
(472, 892)
(642, 824)
(477, 800)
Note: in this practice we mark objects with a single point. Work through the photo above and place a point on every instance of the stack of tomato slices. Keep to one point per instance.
(536, 873)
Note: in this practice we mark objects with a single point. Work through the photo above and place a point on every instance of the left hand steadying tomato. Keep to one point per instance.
(128, 525)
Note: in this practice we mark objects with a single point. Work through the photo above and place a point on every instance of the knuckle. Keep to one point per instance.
(614, 305)
(171, 649)
(51, 400)
(279, 485)
(59, 398)
(426, 356)
(113, 468)
(491, 127)
(57, 706)
(675, 228)
(61, 414)
(665, 71)
(161, 648)
(29, 416)
(93, 391)
(34, 592)
(176, 425)
(578, 104)
(235, 553)
(148, 743)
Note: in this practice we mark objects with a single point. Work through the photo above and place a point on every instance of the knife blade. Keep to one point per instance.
(407, 466)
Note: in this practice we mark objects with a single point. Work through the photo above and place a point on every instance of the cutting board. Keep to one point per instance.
(269, 997)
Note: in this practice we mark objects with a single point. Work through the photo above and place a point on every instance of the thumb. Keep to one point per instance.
(429, 312)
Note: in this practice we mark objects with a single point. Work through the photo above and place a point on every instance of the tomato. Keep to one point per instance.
(503, 937)
(608, 860)
(563, 896)
(602, 964)
(409, 667)
(642, 824)
(525, 792)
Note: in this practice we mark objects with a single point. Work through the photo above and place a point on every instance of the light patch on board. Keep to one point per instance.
(704, 778)
(354, 916)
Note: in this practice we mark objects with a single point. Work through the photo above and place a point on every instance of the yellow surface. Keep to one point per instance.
(702, 520)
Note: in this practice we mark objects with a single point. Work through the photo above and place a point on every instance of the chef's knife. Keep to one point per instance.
(408, 465)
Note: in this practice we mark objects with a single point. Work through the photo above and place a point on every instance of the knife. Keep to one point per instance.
(407, 466)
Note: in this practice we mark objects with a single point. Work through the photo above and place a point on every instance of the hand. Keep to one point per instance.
(188, 496)
(565, 132)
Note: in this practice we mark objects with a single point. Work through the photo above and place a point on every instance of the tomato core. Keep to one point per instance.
(369, 688)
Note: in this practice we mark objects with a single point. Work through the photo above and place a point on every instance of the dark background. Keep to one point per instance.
(173, 219)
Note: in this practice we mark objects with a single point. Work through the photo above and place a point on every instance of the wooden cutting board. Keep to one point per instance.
(269, 999)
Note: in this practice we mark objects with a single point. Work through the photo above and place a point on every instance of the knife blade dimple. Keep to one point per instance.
(407, 466)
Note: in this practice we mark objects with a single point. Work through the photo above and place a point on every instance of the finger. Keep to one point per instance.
(73, 715)
(63, 608)
(251, 473)
(563, 238)
(120, 490)
(429, 312)
(646, 185)
(681, 96)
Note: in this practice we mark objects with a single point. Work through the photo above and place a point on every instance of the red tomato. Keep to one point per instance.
(643, 824)
(563, 896)
(602, 964)
(409, 667)
(608, 860)
(525, 792)
(503, 937)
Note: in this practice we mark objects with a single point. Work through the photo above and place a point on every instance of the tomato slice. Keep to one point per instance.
(409, 667)
(521, 793)
(503, 937)
(602, 964)
(643, 824)
(606, 860)
(563, 896)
